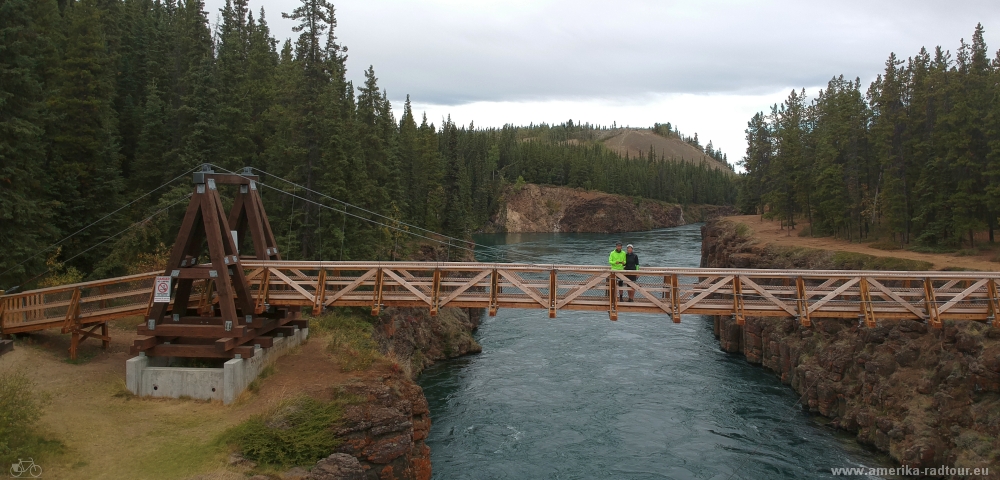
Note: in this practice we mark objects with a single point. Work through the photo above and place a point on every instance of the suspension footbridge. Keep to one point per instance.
(219, 301)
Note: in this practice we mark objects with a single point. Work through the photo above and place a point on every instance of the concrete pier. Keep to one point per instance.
(153, 377)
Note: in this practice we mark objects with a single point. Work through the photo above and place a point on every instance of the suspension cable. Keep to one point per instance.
(140, 197)
(496, 253)
(262, 172)
(140, 222)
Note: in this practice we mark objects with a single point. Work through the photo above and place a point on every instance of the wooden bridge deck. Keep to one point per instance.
(804, 294)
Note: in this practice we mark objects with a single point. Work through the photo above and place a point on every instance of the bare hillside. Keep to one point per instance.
(635, 141)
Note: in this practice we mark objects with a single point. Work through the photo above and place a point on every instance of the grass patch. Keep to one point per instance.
(860, 261)
(351, 339)
(297, 432)
(179, 457)
(743, 230)
(266, 372)
(20, 408)
(931, 249)
(887, 245)
(552, 206)
(119, 389)
(81, 358)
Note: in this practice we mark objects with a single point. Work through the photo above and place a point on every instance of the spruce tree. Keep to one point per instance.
(27, 52)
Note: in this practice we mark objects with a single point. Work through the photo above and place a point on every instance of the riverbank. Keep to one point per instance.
(94, 428)
(926, 397)
(770, 232)
(530, 208)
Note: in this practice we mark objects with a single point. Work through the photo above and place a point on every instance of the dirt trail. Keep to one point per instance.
(770, 232)
(107, 434)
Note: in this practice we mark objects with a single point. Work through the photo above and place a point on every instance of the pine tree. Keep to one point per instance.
(24, 213)
(83, 158)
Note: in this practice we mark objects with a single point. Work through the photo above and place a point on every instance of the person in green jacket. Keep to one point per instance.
(617, 262)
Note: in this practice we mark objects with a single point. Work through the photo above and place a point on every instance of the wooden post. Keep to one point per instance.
(994, 301)
(612, 296)
(263, 291)
(802, 303)
(320, 293)
(675, 299)
(494, 292)
(435, 292)
(377, 293)
(738, 300)
(553, 293)
(72, 313)
(930, 304)
(866, 303)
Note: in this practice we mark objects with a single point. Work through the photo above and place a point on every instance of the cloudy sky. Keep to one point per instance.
(706, 66)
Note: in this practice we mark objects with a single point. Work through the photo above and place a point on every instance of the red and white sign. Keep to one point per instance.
(161, 290)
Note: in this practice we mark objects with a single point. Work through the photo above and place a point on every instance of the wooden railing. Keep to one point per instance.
(803, 294)
(77, 304)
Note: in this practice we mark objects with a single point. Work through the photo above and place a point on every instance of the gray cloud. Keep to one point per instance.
(450, 52)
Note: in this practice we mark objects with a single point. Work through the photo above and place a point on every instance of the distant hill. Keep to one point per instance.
(634, 141)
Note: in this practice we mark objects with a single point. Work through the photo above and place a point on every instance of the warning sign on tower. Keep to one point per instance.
(161, 290)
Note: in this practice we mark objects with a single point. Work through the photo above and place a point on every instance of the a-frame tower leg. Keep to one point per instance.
(175, 330)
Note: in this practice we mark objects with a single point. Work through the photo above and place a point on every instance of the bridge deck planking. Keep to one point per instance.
(891, 295)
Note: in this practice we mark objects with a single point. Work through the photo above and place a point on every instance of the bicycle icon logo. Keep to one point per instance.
(22, 467)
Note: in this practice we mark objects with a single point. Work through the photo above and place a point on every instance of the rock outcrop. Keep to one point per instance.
(384, 432)
(413, 336)
(537, 208)
(928, 397)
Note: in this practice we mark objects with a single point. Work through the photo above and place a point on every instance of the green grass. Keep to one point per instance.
(860, 261)
(266, 372)
(743, 230)
(931, 249)
(21, 406)
(351, 339)
(887, 245)
(298, 432)
(180, 457)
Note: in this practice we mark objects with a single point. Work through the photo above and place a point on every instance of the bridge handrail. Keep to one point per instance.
(688, 272)
(89, 284)
(784, 291)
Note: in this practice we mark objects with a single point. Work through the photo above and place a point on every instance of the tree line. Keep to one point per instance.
(104, 101)
(914, 158)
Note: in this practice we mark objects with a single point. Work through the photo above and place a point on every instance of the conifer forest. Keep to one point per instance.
(913, 158)
(107, 106)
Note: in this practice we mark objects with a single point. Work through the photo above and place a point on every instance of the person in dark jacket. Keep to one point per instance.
(631, 263)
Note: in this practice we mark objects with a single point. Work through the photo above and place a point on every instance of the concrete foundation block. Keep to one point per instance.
(133, 372)
(151, 377)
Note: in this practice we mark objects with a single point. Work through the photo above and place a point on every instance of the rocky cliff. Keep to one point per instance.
(538, 208)
(928, 397)
(385, 431)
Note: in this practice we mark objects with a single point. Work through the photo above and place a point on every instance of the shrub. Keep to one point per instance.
(887, 245)
(298, 432)
(860, 261)
(350, 339)
(20, 408)
(519, 184)
(743, 230)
